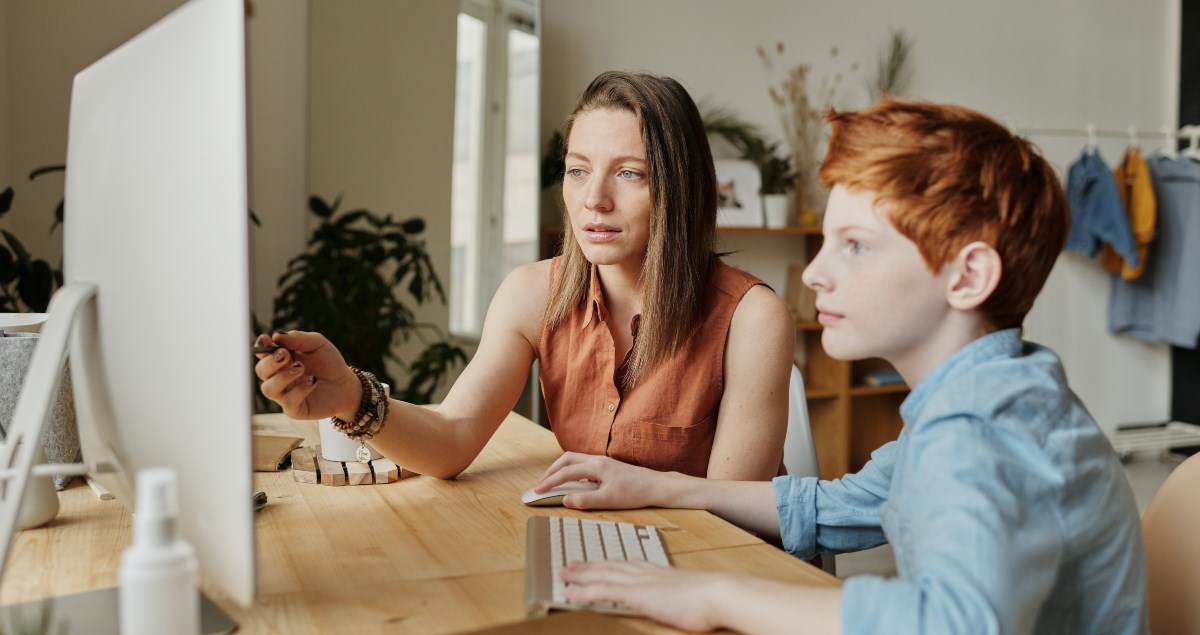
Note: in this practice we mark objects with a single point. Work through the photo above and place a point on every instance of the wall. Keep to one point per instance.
(47, 42)
(1028, 63)
(376, 126)
(5, 142)
(382, 116)
(277, 52)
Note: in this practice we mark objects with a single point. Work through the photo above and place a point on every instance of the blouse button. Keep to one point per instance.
(610, 407)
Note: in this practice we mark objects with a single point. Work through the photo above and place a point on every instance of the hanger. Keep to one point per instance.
(1193, 135)
(1170, 146)
(1090, 129)
(1133, 140)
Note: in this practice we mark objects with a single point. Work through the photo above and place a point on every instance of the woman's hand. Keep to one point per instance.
(622, 486)
(676, 597)
(307, 376)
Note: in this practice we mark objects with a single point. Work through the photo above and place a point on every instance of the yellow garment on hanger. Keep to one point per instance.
(1137, 193)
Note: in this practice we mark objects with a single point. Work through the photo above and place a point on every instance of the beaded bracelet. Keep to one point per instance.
(372, 409)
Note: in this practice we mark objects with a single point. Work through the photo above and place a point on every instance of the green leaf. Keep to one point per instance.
(318, 206)
(18, 249)
(8, 268)
(46, 170)
(35, 286)
(413, 225)
(6, 199)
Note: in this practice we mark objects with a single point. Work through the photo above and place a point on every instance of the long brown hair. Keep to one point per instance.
(683, 193)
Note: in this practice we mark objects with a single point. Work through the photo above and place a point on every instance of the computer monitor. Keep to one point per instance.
(156, 299)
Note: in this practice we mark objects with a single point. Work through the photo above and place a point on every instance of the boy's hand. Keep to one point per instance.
(622, 486)
(676, 597)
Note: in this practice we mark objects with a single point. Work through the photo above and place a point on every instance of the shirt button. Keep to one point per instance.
(610, 407)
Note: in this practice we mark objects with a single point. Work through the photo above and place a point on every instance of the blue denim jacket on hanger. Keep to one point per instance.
(1097, 213)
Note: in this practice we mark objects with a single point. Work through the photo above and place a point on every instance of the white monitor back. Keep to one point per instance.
(157, 219)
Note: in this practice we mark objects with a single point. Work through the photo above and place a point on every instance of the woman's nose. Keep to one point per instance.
(597, 197)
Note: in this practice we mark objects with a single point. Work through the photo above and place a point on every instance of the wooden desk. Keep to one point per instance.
(420, 555)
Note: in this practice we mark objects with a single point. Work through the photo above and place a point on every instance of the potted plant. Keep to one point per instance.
(348, 285)
(26, 282)
(775, 169)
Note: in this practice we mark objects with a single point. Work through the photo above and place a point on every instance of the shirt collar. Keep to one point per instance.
(595, 300)
(1000, 344)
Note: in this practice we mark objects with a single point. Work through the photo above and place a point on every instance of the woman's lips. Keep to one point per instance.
(600, 233)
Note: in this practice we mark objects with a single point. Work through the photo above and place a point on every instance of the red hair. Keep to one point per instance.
(949, 176)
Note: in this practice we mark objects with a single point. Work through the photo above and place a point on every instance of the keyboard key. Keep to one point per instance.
(567, 540)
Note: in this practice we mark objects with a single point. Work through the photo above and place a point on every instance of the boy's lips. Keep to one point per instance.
(825, 316)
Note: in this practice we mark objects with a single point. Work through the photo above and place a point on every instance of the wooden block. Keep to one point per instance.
(358, 473)
(308, 466)
(304, 465)
(332, 472)
(385, 471)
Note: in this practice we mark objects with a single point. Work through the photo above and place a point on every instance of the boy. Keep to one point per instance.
(1005, 505)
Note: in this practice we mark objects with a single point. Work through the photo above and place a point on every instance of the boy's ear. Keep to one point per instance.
(977, 269)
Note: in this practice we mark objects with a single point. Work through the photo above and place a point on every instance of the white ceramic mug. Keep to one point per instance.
(40, 503)
(336, 446)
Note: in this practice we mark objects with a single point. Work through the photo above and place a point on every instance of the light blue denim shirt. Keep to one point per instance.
(1005, 506)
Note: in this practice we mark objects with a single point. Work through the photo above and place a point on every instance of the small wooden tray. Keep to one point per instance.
(308, 466)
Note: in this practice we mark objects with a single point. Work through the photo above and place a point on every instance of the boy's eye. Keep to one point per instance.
(855, 247)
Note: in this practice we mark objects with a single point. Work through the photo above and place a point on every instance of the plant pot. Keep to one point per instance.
(776, 208)
(60, 437)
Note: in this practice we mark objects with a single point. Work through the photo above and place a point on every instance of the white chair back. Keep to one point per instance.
(799, 454)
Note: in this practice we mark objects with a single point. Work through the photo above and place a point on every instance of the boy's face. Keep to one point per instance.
(875, 295)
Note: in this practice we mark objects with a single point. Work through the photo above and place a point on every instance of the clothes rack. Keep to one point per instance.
(1189, 132)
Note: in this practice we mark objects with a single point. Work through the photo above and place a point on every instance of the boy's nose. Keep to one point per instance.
(814, 275)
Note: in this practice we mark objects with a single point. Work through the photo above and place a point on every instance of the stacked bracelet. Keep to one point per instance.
(372, 410)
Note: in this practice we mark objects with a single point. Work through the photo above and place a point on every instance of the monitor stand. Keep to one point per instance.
(95, 613)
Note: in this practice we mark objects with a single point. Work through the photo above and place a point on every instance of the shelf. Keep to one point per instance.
(793, 231)
(820, 392)
(867, 391)
(777, 231)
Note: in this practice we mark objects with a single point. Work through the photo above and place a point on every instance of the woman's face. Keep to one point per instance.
(606, 187)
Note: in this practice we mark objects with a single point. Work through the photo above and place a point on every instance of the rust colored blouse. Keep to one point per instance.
(668, 420)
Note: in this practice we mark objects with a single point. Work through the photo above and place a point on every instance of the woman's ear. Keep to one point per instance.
(977, 270)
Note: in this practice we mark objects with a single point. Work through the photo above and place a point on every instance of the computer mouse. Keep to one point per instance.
(554, 495)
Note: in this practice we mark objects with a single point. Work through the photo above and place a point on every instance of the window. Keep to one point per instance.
(494, 200)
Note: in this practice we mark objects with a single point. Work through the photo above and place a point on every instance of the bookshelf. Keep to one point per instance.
(850, 419)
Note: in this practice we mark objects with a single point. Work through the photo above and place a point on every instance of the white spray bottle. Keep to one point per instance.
(158, 571)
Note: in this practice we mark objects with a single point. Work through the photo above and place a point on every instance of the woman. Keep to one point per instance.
(652, 350)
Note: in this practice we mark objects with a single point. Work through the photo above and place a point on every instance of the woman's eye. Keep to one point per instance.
(629, 175)
(575, 173)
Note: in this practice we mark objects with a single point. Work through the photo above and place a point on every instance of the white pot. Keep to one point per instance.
(776, 208)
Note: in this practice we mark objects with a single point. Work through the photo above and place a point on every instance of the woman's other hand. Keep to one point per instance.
(307, 376)
(622, 486)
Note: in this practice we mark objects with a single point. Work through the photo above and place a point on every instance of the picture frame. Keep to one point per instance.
(738, 200)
